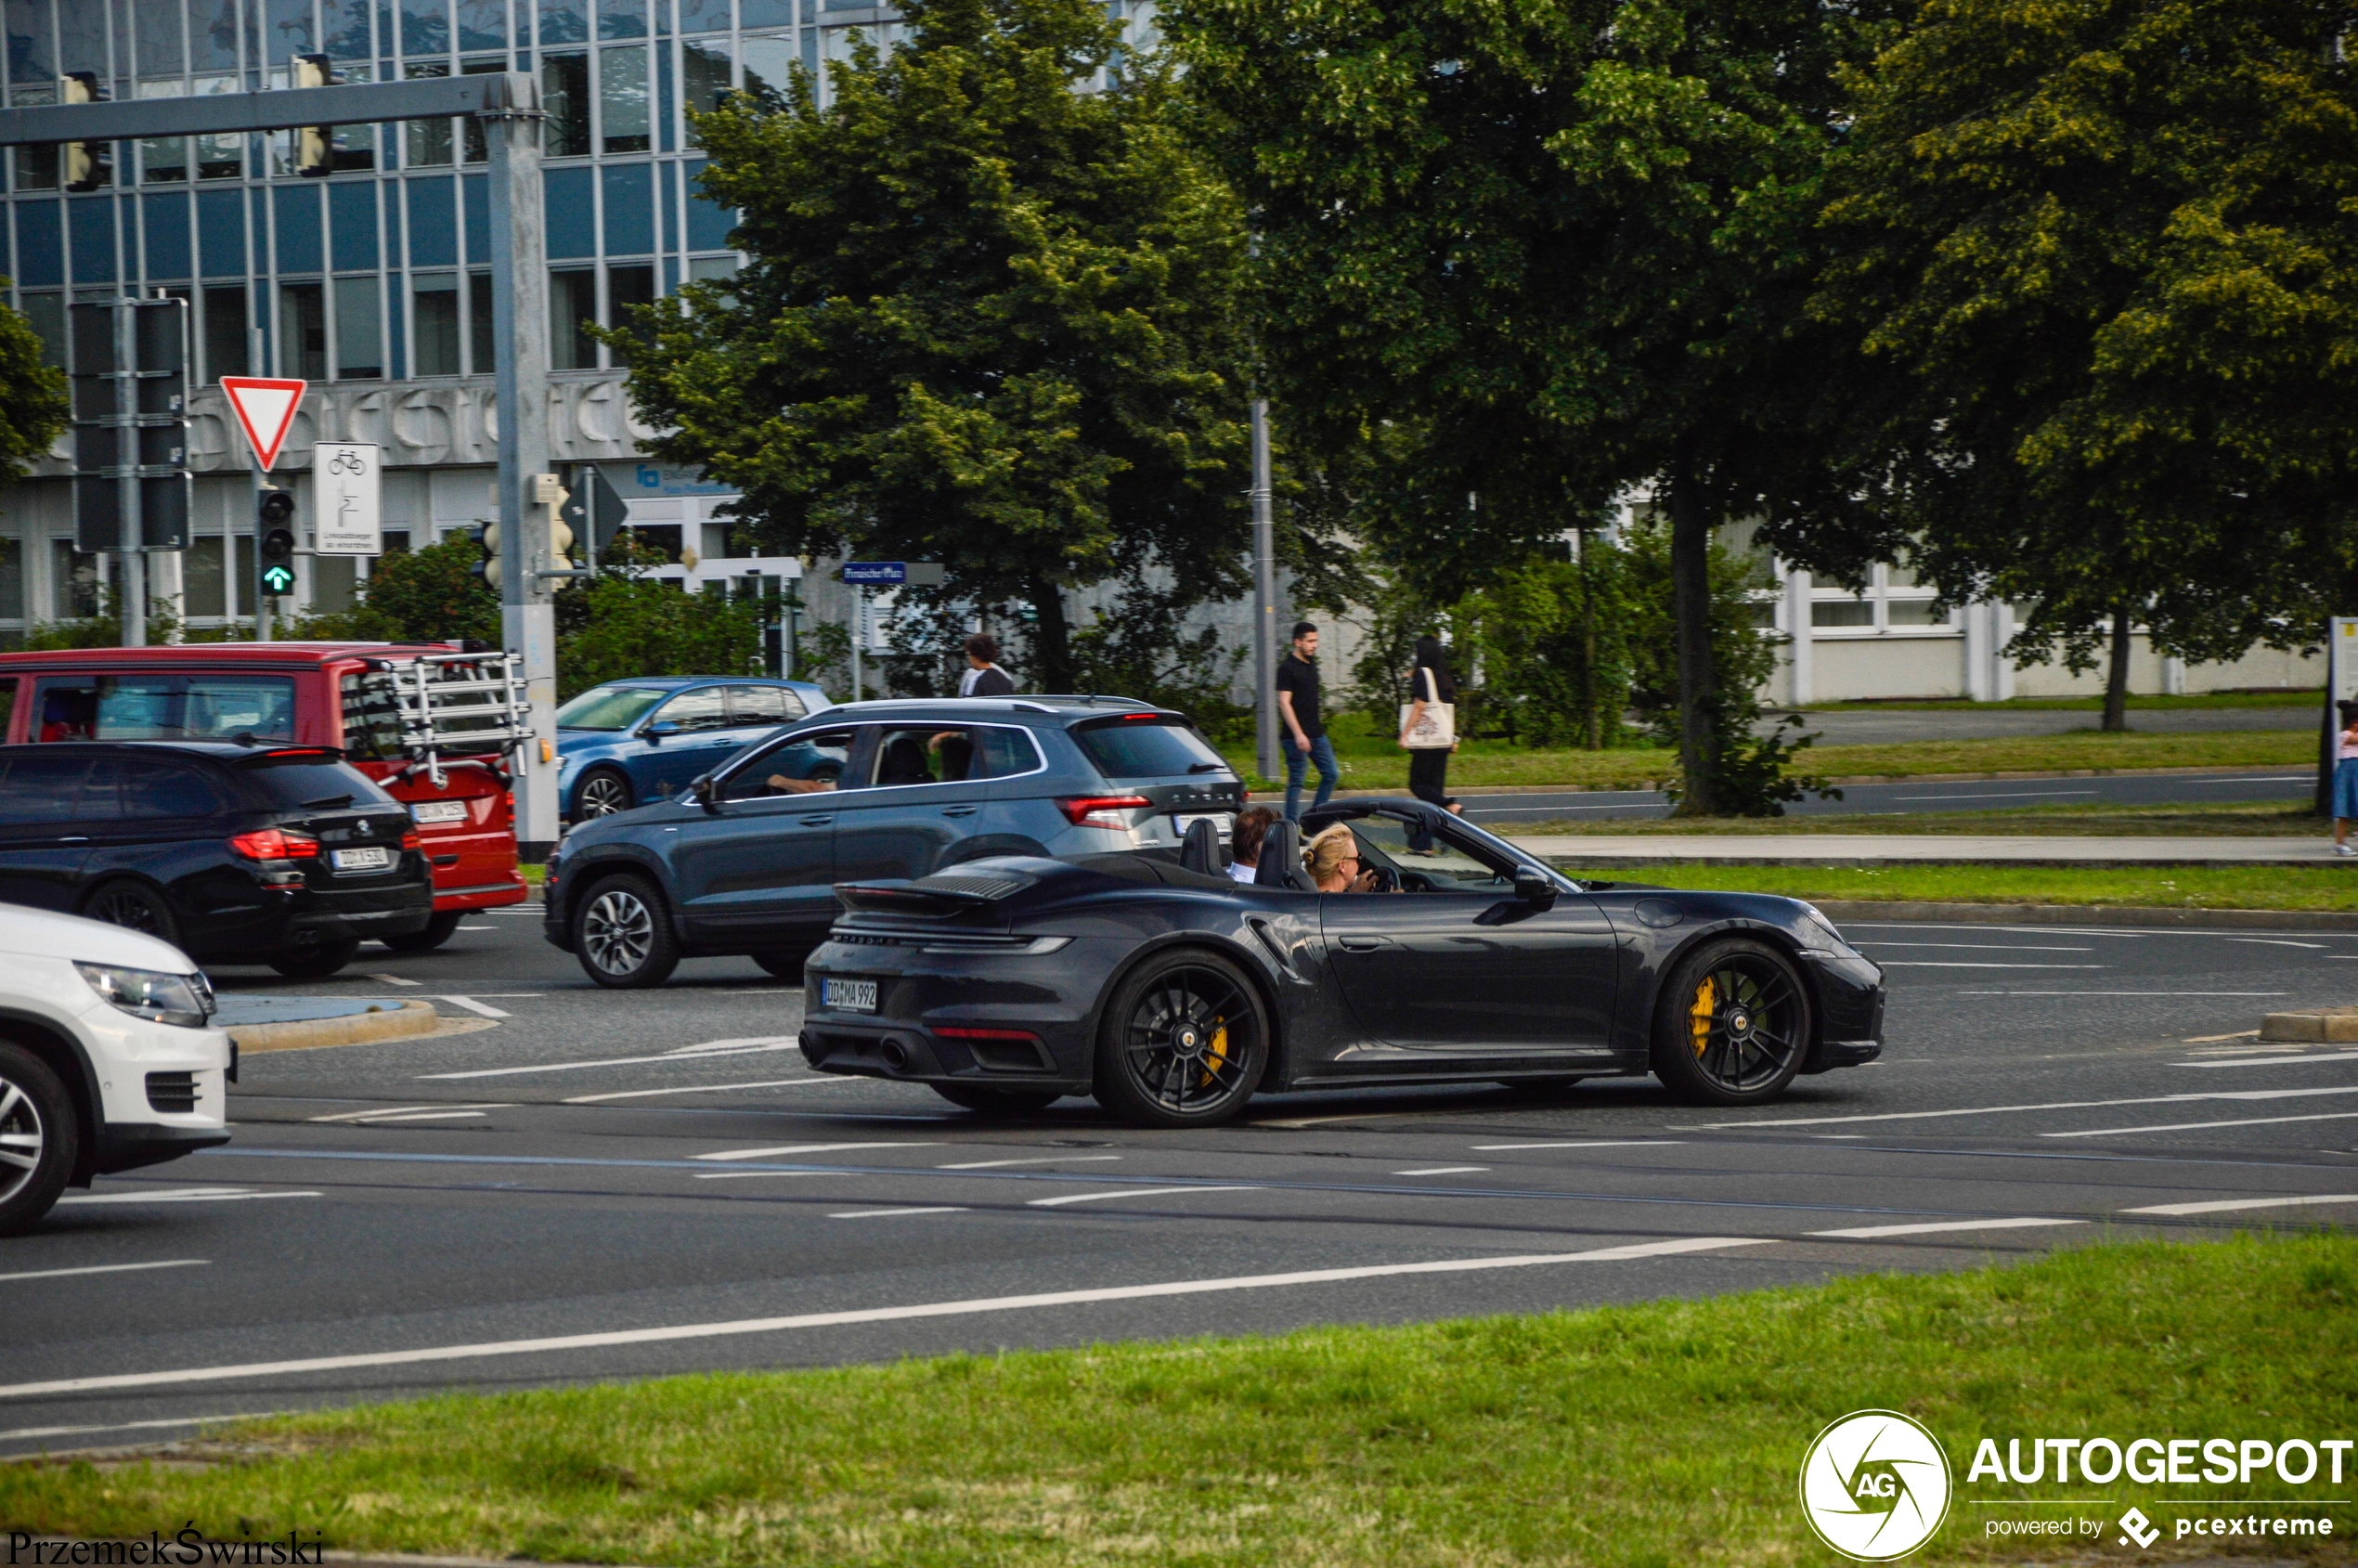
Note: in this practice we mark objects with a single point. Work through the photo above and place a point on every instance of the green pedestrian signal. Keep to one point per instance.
(277, 577)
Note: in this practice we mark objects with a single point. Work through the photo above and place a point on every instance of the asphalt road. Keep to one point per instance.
(656, 1183)
(1504, 812)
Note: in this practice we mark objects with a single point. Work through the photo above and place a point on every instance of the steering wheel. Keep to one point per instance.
(1386, 879)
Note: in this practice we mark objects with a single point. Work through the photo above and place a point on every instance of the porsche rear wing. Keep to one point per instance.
(944, 896)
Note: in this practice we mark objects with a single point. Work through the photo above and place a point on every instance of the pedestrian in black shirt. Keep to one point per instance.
(1304, 735)
(1430, 687)
(983, 676)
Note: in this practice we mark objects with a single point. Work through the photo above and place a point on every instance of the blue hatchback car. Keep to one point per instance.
(627, 743)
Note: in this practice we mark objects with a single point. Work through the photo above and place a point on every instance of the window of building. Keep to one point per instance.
(564, 98)
(768, 67)
(204, 584)
(628, 287)
(165, 161)
(573, 307)
(711, 269)
(11, 580)
(333, 578)
(623, 115)
(74, 582)
(225, 333)
(704, 72)
(433, 306)
(37, 167)
(479, 323)
(360, 353)
(303, 331)
(1842, 612)
(46, 315)
(1913, 612)
(478, 151)
(426, 144)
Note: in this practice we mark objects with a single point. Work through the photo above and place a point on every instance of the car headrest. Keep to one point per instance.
(903, 762)
(1200, 849)
(1281, 858)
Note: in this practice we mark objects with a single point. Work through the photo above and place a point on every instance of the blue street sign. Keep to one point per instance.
(876, 574)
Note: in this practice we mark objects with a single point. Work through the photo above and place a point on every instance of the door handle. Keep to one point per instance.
(959, 810)
(77, 838)
(1359, 944)
(816, 821)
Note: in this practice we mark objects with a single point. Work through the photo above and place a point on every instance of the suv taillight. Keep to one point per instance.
(274, 844)
(1100, 811)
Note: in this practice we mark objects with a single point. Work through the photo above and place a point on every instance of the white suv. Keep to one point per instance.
(107, 1057)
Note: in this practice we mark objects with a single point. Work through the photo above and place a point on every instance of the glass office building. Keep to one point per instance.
(374, 282)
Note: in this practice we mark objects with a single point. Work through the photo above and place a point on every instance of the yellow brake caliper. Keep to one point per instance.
(1218, 1054)
(1699, 1016)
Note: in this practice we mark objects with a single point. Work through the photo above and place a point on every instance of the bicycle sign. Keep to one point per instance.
(346, 497)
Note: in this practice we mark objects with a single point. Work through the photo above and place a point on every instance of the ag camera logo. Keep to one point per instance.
(1875, 1486)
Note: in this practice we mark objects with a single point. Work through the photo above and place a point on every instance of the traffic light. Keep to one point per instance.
(89, 165)
(487, 539)
(277, 577)
(314, 146)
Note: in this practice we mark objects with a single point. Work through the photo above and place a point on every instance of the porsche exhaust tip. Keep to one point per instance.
(895, 1055)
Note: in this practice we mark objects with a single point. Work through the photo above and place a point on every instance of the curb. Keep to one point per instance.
(2334, 1025)
(357, 1028)
(1277, 792)
(2087, 915)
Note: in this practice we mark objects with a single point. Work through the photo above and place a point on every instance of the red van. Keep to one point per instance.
(433, 725)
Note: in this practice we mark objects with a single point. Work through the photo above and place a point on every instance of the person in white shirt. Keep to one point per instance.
(983, 676)
(1244, 841)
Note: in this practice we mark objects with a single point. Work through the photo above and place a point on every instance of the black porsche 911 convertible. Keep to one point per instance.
(1173, 992)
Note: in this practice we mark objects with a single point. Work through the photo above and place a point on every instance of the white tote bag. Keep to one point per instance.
(1437, 730)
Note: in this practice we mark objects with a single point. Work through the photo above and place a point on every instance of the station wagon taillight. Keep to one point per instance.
(275, 844)
(1100, 811)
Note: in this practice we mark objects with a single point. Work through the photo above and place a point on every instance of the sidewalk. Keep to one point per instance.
(1866, 848)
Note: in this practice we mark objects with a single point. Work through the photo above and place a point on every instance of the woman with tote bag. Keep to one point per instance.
(1428, 724)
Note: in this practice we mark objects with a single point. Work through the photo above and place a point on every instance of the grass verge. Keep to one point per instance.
(1373, 761)
(2314, 699)
(2160, 887)
(1659, 1433)
(2269, 819)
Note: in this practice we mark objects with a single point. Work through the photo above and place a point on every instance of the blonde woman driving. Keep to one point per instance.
(1335, 865)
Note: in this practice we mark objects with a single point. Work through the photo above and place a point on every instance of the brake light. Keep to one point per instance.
(274, 844)
(1099, 811)
(1142, 718)
(409, 839)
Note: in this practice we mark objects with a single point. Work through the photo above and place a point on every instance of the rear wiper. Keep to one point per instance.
(329, 800)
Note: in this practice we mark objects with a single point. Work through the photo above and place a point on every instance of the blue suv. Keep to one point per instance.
(629, 742)
(745, 859)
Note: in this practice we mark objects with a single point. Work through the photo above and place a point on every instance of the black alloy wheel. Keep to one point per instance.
(437, 931)
(1185, 1041)
(133, 906)
(997, 1102)
(39, 1139)
(622, 936)
(602, 793)
(1732, 1025)
(316, 959)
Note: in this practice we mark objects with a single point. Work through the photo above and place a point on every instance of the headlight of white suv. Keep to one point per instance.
(185, 1000)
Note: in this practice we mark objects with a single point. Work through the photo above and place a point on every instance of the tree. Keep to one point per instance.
(2100, 254)
(987, 319)
(32, 396)
(1570, 243)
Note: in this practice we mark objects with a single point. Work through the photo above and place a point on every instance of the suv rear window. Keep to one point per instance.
(1147, 749)
(307, 779)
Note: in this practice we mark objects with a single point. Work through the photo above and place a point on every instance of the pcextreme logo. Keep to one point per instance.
(1875, 1486)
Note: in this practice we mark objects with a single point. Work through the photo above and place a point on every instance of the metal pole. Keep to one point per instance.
(511, 118)
(254, 507)
(131, 585)
(859, 636)
(1265, 598)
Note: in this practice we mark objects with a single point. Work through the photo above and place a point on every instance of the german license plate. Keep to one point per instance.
(426, 811)
(1223, 823)
(360, 860)
(851, 996)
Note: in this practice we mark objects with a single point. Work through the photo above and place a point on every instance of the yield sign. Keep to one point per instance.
(266, 407)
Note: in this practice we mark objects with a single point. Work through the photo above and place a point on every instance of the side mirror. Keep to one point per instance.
(708, 794)
(1532, 889)
(659, 728)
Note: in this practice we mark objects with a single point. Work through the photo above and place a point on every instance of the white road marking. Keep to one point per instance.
(2050, 1105)
(1996, 795)
(2215, 1039)
(2276, 941)
(1980, 947)
(137, 1426)
(472, 1006)
(1442, 1171)
(681, 1054)
(181, 1195)
(1129, 1192)
(706, 1089)
(392, 980)
(423, 1116)
(1618, 1143)
(2196, 1126)
(734, 1175)
(890, 1213)
(2232, 1204)
(1057, 1159)
(1866, 1233)
(1958, 963)
(246, 1370)
(2271, 1061)
(380, 1112)
(105, 1268)
(802, 1149)
(478, 927)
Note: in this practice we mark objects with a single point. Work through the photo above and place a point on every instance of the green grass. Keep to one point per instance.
(1375, 761)
(1666, 1433)
(2166, 886)
(2311, 698)
(2271, 819)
